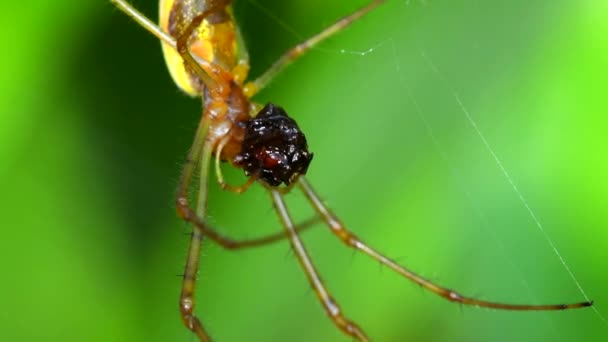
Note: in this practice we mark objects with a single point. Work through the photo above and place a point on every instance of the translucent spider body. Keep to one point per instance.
(206, 57)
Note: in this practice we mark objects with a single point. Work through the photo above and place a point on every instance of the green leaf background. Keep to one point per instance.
(93, 133)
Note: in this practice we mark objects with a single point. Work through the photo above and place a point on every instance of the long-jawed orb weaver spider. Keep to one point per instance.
(206, 57)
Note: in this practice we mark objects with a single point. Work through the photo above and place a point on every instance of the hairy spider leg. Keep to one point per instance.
(200, 149)
(331, 307)
(144, 22)
(252, 88)
(351, 240)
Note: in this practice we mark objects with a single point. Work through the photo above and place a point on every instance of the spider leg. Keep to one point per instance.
(351, 240)
(200, 148)
(233, 244)
(197, 65)
(329, 304)
(144, 22)
(220, 176)
(297, 51)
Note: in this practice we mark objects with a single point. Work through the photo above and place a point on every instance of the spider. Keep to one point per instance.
(206, 56)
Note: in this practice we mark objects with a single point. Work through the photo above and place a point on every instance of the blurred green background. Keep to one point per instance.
(93, 133)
